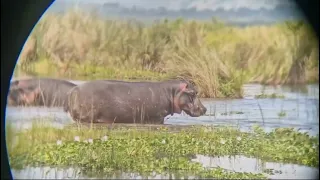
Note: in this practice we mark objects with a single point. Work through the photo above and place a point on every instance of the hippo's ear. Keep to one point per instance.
(184, 87)
(14, 83)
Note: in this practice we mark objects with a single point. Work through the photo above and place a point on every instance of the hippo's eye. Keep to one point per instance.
(193, 93)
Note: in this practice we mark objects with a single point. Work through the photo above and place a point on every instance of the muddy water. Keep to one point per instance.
(300, 109)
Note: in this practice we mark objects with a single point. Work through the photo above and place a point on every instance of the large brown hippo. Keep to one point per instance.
(38, 92)
(110, 101)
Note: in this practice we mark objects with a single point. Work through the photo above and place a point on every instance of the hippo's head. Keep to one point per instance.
(14, 97)
(21, 95)
(186, 100)
(13, 94)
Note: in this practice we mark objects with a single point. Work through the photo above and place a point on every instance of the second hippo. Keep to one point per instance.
(47, 92)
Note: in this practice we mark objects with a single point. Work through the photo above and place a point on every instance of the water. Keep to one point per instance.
(253, 165)
(301, 107)
(233, 163)
(73, 173)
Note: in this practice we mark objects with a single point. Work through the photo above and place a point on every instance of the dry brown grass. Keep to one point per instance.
(218, 58)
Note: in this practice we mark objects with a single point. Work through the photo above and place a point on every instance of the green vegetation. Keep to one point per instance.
(216, 57)
(232, 112)
(272, 96)
(101, 151)
(282, 114)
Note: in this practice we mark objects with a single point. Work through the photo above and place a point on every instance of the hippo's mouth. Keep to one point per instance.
(194, 113)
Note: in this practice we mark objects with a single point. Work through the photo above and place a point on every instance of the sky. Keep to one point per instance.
(232, 11)
(198, 4)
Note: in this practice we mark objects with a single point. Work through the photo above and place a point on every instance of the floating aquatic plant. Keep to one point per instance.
(161, 151)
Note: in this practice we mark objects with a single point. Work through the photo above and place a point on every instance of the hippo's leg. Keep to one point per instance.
(161, 121)
(154, 121)
(100, 119)
(69, 115)
(104, 121)
(158, 121)
(89, 119)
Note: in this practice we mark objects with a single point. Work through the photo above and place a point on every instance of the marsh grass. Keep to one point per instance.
(216, 57)
(101, 151)
(269, 96)
(231, 113)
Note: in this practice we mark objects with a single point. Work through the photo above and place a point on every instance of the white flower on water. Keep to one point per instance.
(222, 141)
(90, 141)
(59, 142)
(77, 138)
(314, 146)
(104, 138)
(239, 138)
(163, 141)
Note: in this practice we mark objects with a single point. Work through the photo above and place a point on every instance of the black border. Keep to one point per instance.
(17, 20)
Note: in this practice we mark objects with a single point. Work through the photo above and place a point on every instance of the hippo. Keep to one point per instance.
(46, 92)
(112, 101)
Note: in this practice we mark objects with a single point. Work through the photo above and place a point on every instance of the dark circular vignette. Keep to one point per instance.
(310, 8)
(18, 19)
